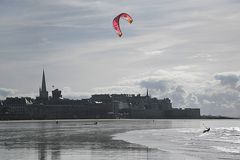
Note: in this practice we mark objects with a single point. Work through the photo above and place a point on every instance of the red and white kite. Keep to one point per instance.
(116, 22)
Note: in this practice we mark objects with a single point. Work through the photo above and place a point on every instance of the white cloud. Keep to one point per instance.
(67, 92)
(4, 92)
(184, 67)
(119, 89)
(152, 53)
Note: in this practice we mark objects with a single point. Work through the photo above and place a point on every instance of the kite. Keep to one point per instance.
(116, 22)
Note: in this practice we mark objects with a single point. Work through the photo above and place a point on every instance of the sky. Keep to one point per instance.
(186, 50)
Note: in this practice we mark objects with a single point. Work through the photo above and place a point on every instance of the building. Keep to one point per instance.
(56, 94)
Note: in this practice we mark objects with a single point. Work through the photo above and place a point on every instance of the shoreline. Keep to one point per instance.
(49, 120)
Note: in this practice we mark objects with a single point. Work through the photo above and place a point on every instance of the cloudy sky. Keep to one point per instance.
(186, 50)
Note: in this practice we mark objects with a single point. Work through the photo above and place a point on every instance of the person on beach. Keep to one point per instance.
(206, 130)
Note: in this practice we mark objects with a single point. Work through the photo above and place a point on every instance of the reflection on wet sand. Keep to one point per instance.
(42, 151)
(44, 146)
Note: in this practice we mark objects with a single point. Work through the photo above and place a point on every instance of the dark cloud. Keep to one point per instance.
(166, 88)
(217, 99)
(228, 79)
(220, 103)
(223, 98)
(178, 96)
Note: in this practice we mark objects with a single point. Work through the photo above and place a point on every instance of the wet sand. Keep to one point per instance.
(81, 139)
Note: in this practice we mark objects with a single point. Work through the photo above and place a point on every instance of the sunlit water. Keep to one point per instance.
(119, 140)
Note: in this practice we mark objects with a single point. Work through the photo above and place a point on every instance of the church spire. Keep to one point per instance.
(147, 93)
(43, 93)
(44, 89)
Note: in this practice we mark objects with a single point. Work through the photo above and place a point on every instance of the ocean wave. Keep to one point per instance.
(222, 135)
(169, 139)
(236, 129)
(228, 150)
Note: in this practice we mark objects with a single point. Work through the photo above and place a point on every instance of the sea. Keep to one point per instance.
(120, 139)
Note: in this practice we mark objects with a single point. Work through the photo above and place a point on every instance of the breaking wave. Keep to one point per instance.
(189, 141)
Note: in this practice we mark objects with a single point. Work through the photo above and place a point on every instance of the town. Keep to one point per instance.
(99, 106)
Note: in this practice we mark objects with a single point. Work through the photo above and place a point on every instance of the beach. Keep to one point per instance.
(119, 139)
